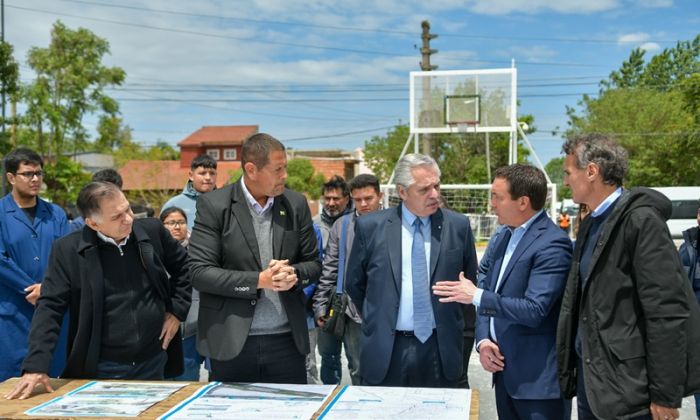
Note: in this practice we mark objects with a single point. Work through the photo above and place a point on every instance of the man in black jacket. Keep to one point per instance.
(126, 286)
(628, 339)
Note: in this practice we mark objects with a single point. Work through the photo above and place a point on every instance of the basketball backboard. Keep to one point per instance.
(446, 101)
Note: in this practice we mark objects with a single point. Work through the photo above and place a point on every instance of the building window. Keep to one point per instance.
(229, 154)
(214, 153)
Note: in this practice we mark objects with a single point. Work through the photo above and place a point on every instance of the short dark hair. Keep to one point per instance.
(336, 182)
(170, 210)
(257, 148)
(90, 197)
(525, 181)
(363, 181)
(108, 175)
(203, 161)
(604, 151)
(20, 156)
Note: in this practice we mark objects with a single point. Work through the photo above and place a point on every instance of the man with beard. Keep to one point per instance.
(336, 203)
(367, 197)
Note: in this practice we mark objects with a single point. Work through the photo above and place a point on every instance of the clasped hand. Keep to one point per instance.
(278, 276)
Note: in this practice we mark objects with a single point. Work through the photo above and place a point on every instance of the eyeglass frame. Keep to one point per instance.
(29, 175)
(173, 223)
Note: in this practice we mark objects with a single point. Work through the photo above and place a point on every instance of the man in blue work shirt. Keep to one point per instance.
(28, 228)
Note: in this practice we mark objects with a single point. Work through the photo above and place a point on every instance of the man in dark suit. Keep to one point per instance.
(518, 300)
(408, 338)
(253, 250)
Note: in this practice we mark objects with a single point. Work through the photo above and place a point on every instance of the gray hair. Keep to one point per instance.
(91, 196)
(402, 173)
(610, 157)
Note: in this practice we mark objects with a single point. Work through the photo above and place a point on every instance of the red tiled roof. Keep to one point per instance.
(166, 174)
(228, 135)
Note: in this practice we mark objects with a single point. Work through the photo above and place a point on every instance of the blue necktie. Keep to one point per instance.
(422, 308)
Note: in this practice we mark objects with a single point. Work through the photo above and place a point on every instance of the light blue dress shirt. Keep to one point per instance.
(607, 203)
(404, 320)
(515, 237)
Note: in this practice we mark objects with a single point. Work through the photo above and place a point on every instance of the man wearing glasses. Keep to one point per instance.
(28, 228)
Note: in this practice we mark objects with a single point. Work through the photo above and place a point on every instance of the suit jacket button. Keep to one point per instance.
(253, 302)
(584, 319)
(588, 361)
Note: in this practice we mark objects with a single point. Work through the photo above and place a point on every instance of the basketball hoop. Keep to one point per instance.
(462, 126)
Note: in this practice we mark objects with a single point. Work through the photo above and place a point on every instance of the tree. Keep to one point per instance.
(9, 85)
(70, 83)
(555, 170)
(652, 109)
(302, 177)
(462, 157)
(64, 179)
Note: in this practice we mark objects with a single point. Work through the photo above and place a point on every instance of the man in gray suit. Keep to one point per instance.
(253, 250)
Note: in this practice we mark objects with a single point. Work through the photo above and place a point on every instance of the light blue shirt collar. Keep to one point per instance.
(607, 203)
(520, 230)
(409, 218)
(253, 202)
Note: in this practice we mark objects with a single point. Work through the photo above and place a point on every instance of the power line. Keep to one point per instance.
(357, 29)
(335, 135)
(289, 44)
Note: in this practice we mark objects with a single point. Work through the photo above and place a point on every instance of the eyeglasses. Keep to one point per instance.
(31, 174)
(175, 223)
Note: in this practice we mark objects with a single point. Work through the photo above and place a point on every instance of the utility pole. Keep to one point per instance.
(427, 115)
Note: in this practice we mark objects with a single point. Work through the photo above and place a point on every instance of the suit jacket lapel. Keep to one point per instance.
(393, 238)
(435, 240)
(241, 212)
(499, 253)
(280, 215)
(532, 233)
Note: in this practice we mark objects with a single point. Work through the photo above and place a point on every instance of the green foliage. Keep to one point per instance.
(70, 83)
(64, 178)
(654, 111)
(462, 157)
(301, 177)
(129, 150)
(234, 175)
(112, 134)
(555, 170)
(382, 153)
(9, 85)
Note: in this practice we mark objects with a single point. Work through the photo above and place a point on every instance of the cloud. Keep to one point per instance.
(503, 7)
(655, 4)
(650, 46)
(633, 38)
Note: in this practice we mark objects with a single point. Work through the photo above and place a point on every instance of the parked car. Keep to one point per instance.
(685, 208)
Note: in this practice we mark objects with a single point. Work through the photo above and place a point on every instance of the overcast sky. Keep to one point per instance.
(332, 73)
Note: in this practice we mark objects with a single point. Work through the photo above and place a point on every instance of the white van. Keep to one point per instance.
(685, 208)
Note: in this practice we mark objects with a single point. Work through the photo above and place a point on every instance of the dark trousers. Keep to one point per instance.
(192, 360)
(152, 369)
(583, 407)
(415, 364)
(264, 358)
(466, 352)
(515, 409)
